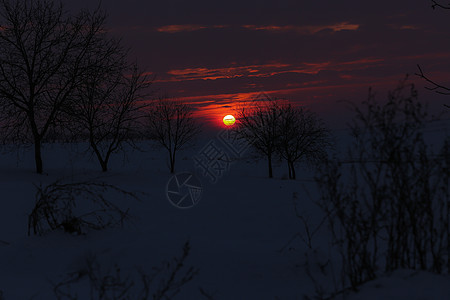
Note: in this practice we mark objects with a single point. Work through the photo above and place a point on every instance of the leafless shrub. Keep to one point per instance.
(171, 280)
(388, 205)
(322, 273)
(103, 284)
(165, 282)
(75, 207)
(309, 229)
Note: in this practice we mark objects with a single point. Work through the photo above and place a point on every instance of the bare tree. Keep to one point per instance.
(172, 125)
(259, 126)
(41, 62)
(302, 137)
(106, 108)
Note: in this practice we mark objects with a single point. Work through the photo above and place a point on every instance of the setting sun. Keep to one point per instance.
(229, 120)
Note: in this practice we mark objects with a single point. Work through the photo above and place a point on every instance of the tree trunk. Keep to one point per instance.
(104, 165)
(38, 155)
(172, 163)
(292, 170)
(289, 170)
(269, 160)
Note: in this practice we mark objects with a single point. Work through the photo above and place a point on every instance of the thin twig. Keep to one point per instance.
(436, 4)
(436, 87)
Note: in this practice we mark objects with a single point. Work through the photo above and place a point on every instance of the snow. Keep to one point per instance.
(405, 284)
(242, 232)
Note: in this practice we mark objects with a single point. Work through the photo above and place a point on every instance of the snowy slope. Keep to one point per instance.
(242, 232)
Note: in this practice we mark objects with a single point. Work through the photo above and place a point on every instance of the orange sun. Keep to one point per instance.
(229, 120)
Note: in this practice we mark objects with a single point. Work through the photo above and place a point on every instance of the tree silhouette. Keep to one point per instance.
(106, 107)
(276, 127)
(302, 137)
(42, 51)
(259, 126)
(172, 125)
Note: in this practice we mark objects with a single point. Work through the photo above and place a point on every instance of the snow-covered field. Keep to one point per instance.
(242, 233)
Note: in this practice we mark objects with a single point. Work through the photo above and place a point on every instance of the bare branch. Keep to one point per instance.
(437, 88)
(437, 4)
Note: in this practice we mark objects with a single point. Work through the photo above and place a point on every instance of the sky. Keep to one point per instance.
(218, 54)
